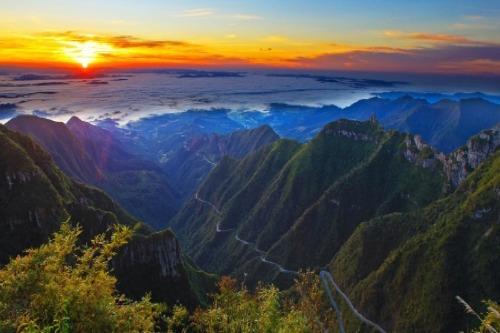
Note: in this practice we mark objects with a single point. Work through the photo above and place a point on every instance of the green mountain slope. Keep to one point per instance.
(404, 270)
(139, 186)
(299, 203)
(36, 197)
(188, 166)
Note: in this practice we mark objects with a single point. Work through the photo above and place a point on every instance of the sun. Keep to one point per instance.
(85, 53)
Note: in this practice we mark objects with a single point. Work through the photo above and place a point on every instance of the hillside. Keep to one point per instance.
(139, 186)
(404, 270)
(67, 151)
(36, 197)
(299, 203)
(188, 166)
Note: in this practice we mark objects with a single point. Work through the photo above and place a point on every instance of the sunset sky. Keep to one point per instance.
(452, 36)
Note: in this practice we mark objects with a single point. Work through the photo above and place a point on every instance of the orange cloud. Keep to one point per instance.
(441, 53)
(433, 37)
(455, 59)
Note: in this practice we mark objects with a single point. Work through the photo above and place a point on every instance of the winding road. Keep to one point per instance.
(325, 276)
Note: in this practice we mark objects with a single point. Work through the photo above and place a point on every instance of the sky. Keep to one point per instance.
(425, 36)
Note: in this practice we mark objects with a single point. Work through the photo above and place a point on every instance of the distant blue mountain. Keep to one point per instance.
(446, 124)
(432, 97)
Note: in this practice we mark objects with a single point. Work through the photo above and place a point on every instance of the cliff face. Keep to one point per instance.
(154, 264)
(159, 249)
(460, 163)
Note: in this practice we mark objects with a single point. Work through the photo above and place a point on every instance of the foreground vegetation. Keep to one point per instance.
(64, 287)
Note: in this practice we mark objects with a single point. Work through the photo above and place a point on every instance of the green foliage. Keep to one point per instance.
(291, 198)
(404, 270)
(267, 310)
(63, 287)
(490, 321)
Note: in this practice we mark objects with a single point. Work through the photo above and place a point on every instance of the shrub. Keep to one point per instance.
(64, 287)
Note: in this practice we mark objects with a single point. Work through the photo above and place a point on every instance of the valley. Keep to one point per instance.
(351, 194)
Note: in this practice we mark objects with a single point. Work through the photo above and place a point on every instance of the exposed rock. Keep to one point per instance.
(481, 212)
(159, 249)
(352, 135)
(460, 163)
(154, 264)
(420, 153)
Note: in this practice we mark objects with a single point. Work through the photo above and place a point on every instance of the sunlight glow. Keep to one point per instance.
(86, 53)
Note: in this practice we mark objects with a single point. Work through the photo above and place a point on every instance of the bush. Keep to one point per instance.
(236, 310)
(64, 287)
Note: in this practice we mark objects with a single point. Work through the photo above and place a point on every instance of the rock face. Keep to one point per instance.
(420, 153)
(154, 264)
(459, 164)
(159, 249)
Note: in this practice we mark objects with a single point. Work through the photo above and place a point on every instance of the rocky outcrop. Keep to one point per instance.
(460, 163)
(160, 249)
(420, 153)
(353, 135)
(154, 264)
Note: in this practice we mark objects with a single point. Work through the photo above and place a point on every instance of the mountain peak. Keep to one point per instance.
(353, 129)
(74, 120)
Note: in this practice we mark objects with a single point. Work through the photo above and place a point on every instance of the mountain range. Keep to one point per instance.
(148, 189)
(380, 209)
(291, 198)
(446, 124)
(398, 198)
